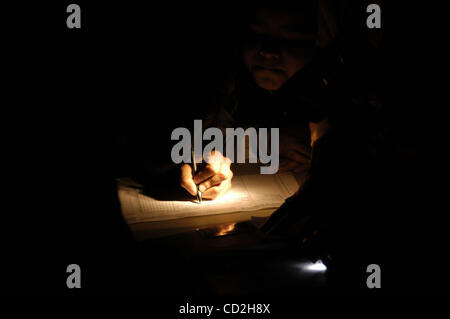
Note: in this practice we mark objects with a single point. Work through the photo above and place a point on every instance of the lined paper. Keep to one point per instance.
(248, 192)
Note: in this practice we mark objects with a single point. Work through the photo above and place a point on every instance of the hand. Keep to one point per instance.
(295, 153)
(213, 180)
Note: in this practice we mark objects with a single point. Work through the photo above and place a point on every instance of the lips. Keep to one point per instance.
(268, 68)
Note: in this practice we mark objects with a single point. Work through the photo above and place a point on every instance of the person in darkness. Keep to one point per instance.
(287, 75)
(274, 70)
(286, 72)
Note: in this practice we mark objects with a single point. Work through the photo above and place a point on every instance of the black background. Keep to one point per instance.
(67, 94)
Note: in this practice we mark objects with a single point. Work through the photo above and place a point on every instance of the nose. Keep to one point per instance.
(269, 54)
(270, 50)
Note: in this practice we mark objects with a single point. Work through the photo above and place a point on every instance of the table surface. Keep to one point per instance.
(157, 229)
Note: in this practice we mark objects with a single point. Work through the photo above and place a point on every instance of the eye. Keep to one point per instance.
(254, 37)
(300, 43)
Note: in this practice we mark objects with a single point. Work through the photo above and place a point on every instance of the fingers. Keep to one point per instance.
(217, 164)
(214, 179)
(287, 165)
(223, 174)
(303, 149)
(218, 190)
(186, 180)
(301, 169)
(298, 157)
(207, 172)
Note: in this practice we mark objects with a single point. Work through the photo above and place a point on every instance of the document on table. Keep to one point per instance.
(248, 193)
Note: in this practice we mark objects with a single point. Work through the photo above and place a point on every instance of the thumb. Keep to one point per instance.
(186, 180)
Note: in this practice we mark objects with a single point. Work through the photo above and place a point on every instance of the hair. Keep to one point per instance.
(324, 10)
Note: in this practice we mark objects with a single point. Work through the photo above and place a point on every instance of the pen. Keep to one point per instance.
(194, 169)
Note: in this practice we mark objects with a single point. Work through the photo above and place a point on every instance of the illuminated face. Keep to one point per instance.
(279, 43)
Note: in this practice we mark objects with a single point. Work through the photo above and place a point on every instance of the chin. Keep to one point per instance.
(268, 84)
(268, 80)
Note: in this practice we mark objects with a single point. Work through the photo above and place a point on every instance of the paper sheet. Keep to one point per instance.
(249, 192)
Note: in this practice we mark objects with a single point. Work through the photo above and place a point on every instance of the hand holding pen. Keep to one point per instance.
(194, 171)
(211, 180)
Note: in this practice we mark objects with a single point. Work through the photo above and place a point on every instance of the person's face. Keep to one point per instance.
(278, 45)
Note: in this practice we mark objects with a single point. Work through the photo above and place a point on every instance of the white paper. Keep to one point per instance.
(248, 192)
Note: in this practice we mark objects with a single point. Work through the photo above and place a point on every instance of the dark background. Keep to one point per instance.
(69, 94)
